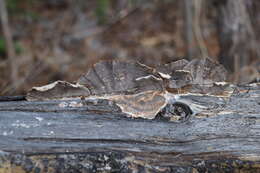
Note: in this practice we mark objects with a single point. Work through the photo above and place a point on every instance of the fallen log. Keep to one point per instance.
(60, 136)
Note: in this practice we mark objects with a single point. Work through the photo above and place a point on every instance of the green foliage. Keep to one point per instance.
(2, 46)
(12, 5)
(32, 15)
(17, 46)
(15, 9)
(133, 2)
(102, 10)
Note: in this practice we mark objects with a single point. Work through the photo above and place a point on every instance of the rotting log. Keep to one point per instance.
(96, 137)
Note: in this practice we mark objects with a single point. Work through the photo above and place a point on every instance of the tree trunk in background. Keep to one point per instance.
(188, 27)
(9, 43)
(236, 35)
(197, 29)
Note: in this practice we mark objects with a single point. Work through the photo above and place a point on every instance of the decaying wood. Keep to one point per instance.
(139, 90)
(94, 136)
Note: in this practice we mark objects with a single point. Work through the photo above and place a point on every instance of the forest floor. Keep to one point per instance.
(60, 40)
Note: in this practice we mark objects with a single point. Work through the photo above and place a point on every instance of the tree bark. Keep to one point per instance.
(236, 36)
(59, 136)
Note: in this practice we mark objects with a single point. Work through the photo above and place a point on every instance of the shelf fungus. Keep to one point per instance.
(139, 90)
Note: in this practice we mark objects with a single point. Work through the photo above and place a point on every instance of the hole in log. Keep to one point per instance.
(178, 112)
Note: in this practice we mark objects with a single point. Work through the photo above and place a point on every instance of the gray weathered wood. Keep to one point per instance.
(96, 137)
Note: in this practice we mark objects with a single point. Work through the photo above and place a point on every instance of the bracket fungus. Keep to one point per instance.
(139, 90)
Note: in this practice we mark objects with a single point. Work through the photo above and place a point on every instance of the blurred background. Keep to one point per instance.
(42, 41)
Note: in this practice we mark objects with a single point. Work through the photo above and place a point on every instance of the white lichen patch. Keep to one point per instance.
(6, 133)
(72, 104)
(165, 76)
(185, 71)
(39, 118)
(46, 87)
(75, 104)
(222, 83)
(63, 104)
(52, 85)
(147, 77)
(254, 84)
(23, 125)
(250, 157)
(225, 112)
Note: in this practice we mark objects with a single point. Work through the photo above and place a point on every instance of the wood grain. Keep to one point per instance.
(94, 136)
